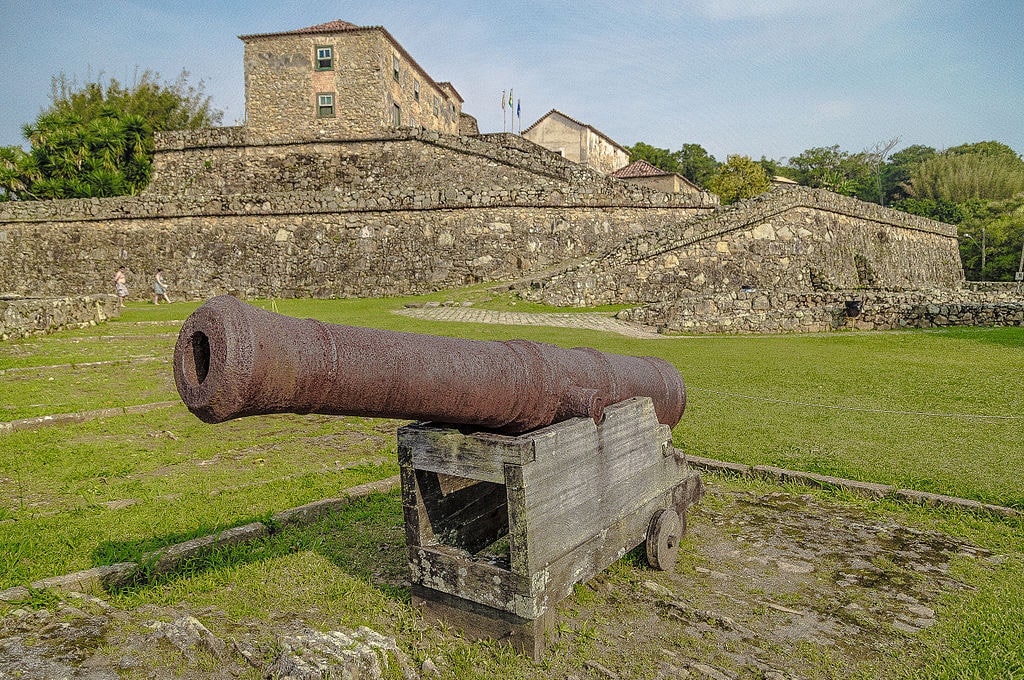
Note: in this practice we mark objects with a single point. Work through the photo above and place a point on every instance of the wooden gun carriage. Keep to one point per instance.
(533, 467)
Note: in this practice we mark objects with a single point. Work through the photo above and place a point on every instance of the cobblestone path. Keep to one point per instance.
(584, 320)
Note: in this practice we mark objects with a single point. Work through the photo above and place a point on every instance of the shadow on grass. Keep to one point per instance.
(366, 539)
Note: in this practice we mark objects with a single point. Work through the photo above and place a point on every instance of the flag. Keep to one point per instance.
(503, 100)
(519, 107)
(510, 99)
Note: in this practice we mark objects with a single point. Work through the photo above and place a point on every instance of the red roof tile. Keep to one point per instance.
(640, 168)
(330, 27)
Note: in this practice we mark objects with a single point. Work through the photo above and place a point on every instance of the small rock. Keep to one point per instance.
(921, 611)
(188, 635)
(601, 669)
(795, 567)
(658, 589)
(905, 627)
(709, 671)
(429, 669)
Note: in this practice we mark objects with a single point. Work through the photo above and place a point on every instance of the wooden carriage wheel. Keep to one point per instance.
(663, 539)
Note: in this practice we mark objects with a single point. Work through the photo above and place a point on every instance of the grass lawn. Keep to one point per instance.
(939, 411)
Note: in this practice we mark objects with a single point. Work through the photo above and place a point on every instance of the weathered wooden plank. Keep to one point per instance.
(519, 546)
(471, 517)
(594, 477)
(417, 524)
(475, 455)
(487, 582)
(478, 622)
(603, 549)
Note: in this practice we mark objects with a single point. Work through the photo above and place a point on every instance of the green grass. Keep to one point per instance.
(899, 408)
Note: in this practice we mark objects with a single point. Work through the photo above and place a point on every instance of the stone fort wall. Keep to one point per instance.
(411, 210)
(406, 212)
(790, 239)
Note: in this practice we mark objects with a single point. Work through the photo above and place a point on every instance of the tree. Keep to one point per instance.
(739, 178)
(176, 105)
(696, 164)
(990, 149)
(959, 177)
(97, 139)
(1000, 224)
(659, 158)
(875, 159)
(828, 167)
(896, 172)
(110, 155)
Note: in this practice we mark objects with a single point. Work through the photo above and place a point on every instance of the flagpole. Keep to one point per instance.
(504, 120)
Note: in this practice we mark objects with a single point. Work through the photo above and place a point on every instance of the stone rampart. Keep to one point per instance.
(396, 163)
(789, 239)
(22, 317)
(802, 312)
(407, 213)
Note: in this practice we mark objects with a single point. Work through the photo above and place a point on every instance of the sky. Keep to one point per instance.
(765, 78)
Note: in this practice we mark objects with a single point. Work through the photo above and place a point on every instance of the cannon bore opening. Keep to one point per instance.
(196, 358)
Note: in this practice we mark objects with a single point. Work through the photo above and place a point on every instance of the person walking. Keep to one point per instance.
(121, 285)
(160, 288)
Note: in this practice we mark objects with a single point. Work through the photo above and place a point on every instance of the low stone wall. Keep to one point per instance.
(22, 317)
(787, 239)
(801, 312)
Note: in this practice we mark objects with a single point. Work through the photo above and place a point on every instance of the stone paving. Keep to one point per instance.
(594, 321)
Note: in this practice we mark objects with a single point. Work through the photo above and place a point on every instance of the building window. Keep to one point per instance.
(437, 106)
(416, 90)
(325, 105)
(394, 66)
(396, 115)
(324, 58)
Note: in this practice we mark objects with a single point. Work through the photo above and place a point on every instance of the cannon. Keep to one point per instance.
(530, 468)
(233, 359)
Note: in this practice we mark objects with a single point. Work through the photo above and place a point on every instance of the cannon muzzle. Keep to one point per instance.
(233, 359)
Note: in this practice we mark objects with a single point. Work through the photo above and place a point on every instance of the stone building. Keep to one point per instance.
(642, 172)
(341, 80)
(578, 142)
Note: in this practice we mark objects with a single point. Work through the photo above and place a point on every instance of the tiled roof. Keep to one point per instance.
(330, 27)
(639, 168)
(581, 124)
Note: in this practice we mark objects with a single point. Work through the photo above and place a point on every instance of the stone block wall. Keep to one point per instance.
(394, 164)
(789, 239)
(409, 212)
(22, 317)
(311, 248)
(802, 312)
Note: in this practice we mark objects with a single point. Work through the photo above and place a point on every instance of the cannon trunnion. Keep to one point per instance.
(533, 467)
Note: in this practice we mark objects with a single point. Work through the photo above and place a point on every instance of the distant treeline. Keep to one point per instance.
(979, 187)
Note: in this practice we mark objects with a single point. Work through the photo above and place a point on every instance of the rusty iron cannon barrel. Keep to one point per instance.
(233, 359)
